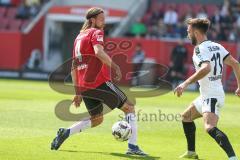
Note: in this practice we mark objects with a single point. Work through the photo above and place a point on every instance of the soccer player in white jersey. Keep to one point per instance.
(209, 58)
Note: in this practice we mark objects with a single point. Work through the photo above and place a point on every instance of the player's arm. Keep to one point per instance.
(202, 72)
(100, 53)
(74, 75)
(232, 62)
(77, 98)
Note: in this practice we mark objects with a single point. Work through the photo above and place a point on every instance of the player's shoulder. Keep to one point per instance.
(218, 47)
(202, 47)
(205, 44)
(208, 46)
(91, 31)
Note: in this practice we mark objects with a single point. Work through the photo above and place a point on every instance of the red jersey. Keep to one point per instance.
(91, 72)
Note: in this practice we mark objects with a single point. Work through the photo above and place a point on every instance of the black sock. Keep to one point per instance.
(190, 130)
(222, 140)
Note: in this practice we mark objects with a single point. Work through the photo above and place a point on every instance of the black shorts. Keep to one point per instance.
(107, 93)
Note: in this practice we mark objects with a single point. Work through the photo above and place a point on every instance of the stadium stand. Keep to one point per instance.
(16, 14)
(167, 21)
(156, 24)
(224, 19)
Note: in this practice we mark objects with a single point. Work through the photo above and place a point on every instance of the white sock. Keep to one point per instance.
(233, 158)
(131, 119)
(80, 126)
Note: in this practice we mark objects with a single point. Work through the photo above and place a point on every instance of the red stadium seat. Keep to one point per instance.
(154, 5)
(182, 9)
(211, 9)
(4, 23)
(184, 6)
(16, 2)
(11, 12)
(196, 8)
(146, 18)
(15, 24)
(25, 23)
(190, 70)
(3, 30)
(2, 11)
(168, 5)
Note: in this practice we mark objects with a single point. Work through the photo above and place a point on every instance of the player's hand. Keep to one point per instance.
(237, 92)
(180, 89)
(77, 100)
(118, 74)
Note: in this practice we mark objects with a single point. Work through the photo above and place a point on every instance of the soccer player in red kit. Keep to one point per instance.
(91, 75)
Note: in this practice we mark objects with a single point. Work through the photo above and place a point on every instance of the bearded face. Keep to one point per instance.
(193, 39)
(99, 21)
(191, 35)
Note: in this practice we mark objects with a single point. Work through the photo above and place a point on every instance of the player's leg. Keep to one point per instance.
(94, 108)
(78, 127)
(188, 117)
(119, 100)
(129, 110)
(210, 125)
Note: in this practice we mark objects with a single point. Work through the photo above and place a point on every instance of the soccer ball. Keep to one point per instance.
(121, 131)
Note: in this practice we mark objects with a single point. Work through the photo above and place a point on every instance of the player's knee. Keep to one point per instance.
(208, 127)
(129, 109)
(185, 117)
(96, 120)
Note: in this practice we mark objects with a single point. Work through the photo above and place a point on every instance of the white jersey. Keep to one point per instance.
(208, 51)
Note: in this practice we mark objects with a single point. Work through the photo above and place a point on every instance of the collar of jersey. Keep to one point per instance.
(203, 41)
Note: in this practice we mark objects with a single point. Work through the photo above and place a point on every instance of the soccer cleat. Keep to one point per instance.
(135, 150)
(189, 155)
(62, 135)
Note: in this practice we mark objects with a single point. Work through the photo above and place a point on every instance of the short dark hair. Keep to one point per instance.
(201, 24)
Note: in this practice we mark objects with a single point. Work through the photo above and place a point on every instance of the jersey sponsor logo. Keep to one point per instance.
(213, 48)
(100, 38)
(214, 78)
(82, 66)
(200, 57)
(197, 50)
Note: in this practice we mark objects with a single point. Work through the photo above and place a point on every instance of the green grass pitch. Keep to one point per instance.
(28, 125)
